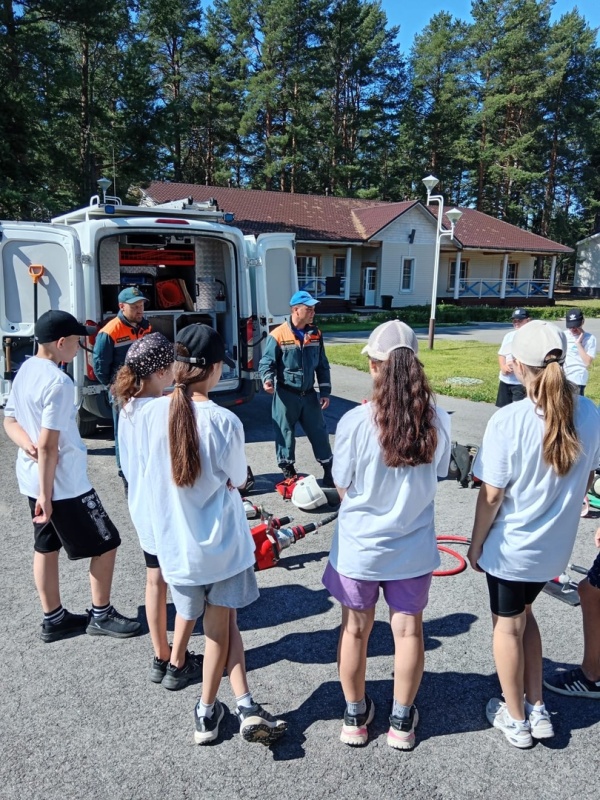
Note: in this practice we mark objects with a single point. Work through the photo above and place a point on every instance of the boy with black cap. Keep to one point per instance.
(510, 388)
(40, 417)
(581, 350)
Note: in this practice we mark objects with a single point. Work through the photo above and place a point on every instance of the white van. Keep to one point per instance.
(186, 258)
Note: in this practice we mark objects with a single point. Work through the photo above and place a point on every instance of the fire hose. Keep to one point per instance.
(272, 535)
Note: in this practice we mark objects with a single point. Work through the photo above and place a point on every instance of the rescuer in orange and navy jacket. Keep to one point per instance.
(294, 354)
(115, 339)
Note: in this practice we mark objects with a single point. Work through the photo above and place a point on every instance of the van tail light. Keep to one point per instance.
(249, 348)
(91, 340)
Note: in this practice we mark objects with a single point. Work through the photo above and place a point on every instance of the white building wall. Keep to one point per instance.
(396, 246)
(587, 266)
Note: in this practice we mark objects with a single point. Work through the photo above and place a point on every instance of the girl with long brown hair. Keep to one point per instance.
(193, 453)
(388, 456)
(536, 460)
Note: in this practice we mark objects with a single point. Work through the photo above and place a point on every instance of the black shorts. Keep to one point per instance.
(509, 598)
(79, 524)
(509, 393)
(594, 573)
(151, 561)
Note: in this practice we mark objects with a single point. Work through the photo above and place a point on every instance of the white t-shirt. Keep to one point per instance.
(506, 351)
(385, 528)
(201, 534)
(129, 452)
(532, 537)
(575, 369)
(43, 396)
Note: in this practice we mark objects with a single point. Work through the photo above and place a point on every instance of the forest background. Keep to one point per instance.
(309, 96)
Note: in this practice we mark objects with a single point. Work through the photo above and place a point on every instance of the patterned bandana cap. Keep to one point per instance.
(149, 354)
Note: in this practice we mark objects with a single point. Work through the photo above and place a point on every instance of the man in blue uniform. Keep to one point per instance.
(294, 354)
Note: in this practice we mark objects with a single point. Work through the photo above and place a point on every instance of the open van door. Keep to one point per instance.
(275, 278)
(56, 250)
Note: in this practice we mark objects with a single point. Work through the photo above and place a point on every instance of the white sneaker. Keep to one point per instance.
(541, 724)
(517, 733)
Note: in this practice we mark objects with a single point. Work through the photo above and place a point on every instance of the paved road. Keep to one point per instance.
(81, 721)
(489, 332)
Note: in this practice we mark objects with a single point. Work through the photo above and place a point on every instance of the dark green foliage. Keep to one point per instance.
(310, 96)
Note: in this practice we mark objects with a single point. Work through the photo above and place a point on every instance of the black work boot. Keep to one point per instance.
(289, 471)
(328, 481)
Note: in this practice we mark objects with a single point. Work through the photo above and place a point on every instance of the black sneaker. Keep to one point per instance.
(207, 728)
(257, 725)
(179, 677)
(401, 734)
(113, 624)
(158, 669)
(354, 730)
(289, 471)
(70, 625)
(573, 683)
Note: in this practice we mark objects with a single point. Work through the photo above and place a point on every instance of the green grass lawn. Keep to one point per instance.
(452, 360)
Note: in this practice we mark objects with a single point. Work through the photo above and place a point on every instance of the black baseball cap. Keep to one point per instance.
(54, 325)
(204, 344)
(520, 313)
(574, 318)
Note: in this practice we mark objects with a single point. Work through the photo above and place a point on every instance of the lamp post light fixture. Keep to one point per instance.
(103, 184)
(453, 215)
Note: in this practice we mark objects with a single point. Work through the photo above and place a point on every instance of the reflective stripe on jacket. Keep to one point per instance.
(112, 344)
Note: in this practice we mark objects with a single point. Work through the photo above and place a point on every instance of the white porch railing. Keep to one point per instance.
(317, 286)
(493, 288)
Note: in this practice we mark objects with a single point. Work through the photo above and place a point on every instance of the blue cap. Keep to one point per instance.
(303, 299)
(131, 295)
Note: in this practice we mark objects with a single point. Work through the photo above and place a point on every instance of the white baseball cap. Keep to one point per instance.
(389, 337)
(532, 343)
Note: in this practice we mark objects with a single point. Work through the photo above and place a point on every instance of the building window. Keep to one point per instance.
(464, 272)
(511, 275)
(308, 268)
(339, 266)
(408, 271)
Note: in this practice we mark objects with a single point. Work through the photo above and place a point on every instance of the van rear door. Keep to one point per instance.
(275, 278)
(23, 245)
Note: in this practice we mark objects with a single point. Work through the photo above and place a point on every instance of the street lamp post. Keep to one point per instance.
(453, 215)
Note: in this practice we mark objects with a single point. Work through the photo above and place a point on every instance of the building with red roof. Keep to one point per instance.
(357, 251)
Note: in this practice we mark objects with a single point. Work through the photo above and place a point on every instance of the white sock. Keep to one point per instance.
(245, 700)
(529, 707)
(205, 710)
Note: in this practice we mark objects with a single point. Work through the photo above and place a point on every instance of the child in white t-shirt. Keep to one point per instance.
(193, 457)
(147, 372)
(388, 456)
(581, 350)
(536, 460)
(40, 417)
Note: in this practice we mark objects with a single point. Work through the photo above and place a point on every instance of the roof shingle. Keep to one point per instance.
(321, 218)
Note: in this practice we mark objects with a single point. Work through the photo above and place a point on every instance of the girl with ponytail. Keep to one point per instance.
(389, 454)
(536, 461)
(193, 458)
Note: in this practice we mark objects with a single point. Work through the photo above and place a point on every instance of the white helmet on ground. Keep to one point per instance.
(308, 495)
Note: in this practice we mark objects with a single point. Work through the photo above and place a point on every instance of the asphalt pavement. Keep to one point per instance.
(81, 721)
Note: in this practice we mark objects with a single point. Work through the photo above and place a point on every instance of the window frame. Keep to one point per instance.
(405, 260)
(464, 263)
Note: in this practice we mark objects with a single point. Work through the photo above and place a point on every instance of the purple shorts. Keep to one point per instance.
(407, 596)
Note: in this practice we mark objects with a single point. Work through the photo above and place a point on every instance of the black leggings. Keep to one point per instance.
(509, 598)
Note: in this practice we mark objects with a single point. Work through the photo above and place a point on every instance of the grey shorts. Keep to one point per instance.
(236, 592)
